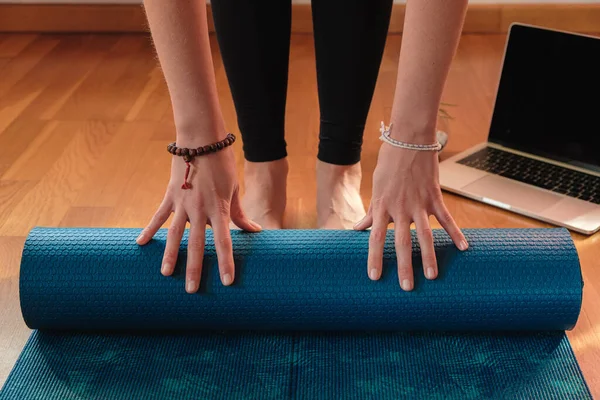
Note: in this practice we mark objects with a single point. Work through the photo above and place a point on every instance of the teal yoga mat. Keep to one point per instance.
(302, 321)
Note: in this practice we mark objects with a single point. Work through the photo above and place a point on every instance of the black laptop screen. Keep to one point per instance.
(548, 99)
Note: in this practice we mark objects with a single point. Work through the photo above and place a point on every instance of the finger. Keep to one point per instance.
(159, 218)
(193, 269)
(376, 245)
(403, 242)
(173, 242)
(239, 218)
(445, 219)
(222, 237)
(425, 236)
(364, 223)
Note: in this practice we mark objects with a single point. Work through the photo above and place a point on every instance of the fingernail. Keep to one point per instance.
(257, 226)
(190, 286)
(165, 268)
(406, 285)
(429, 273)
(358, 223)
(227, 279)
(463, 245)
(139, 237)
(373, 274)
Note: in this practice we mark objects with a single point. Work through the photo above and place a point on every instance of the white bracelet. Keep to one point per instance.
(385, 137)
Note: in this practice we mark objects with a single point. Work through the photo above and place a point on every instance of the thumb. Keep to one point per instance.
(364, 223)
(239, 218)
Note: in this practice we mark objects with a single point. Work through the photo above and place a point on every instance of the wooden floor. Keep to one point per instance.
(84, 121)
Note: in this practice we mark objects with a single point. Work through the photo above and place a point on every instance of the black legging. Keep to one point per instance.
(254, 38)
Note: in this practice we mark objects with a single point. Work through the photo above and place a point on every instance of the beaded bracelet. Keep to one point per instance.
(189, 154)
(385, 137)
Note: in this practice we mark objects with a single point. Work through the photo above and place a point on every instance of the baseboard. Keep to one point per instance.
(481, 18)
(72, 18)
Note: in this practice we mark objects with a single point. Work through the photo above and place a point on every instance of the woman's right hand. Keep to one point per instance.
(214, 200)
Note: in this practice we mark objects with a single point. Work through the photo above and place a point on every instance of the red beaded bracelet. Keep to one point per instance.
(189, 154)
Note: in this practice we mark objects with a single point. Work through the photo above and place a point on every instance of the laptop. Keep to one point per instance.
(542, 155)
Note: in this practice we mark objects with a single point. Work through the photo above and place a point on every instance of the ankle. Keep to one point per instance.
(350, 168)
(331, 174)
(339, 205)
(265, 185)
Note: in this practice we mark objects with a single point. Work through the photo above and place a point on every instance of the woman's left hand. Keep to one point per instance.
(406, 189)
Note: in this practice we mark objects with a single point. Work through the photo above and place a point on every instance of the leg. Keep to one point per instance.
(349, 41)
(255, 51)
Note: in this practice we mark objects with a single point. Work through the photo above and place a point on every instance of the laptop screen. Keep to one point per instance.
(548, 101)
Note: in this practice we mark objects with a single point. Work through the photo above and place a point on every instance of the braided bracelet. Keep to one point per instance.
(189, 154)
(385, 137)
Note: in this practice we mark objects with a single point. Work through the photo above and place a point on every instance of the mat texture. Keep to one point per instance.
(302, 320)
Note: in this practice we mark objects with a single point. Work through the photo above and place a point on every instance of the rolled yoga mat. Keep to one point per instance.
(302, 320)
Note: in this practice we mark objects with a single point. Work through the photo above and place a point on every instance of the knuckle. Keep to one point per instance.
(175, 231)
(377, 203)
(225, 241)
(154, 225)
(377, 236)
(237, 213)
(426, 233)
(444, 216)
(429, 260)
(405, 271)
(155, 221)
(195, 242)
(438, 202)
(163, 210)
(404, 240)
(401, 201)
(192, 270)
(223, 208)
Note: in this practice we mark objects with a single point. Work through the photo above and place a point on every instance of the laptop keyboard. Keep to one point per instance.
(537, 173)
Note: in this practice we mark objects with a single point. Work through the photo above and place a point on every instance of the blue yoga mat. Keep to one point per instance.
(302, 320)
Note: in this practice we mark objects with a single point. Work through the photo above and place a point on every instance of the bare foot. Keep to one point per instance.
(264, 199)
(339, 205)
